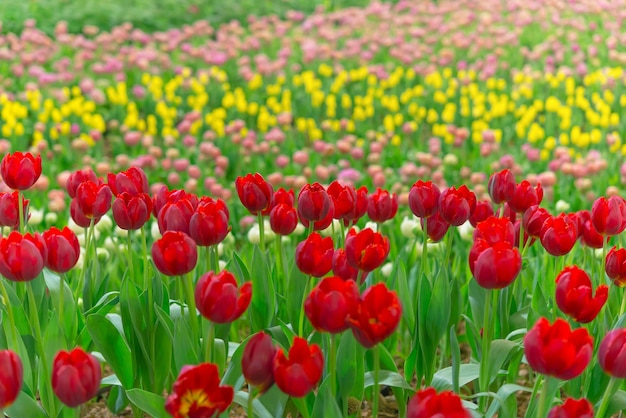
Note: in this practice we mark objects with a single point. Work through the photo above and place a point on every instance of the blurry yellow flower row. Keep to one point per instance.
(544, 109)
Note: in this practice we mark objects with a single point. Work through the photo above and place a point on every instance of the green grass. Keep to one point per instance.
(148, 15)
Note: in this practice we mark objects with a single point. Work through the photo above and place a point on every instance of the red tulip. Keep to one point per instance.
(428, 403)
(612, 353)
(197, 393)
(366, 250)
(495, 230)
(558, 234)
(525, 196)
(436, 227)
(571, 408)
(164, 196)
(9, 209)
(283, 219)
(501, 186)
(589, 235)
(359, 209)
(556, 350)
(76, 376)
(131, 212)
(313, 203)
(257, 361)
(11, 378)
(343, 269)
(314, 255)
(494, 266)
(382, 206)
(615, 266)
(533, 220)
(79, 217)
(301, 372)
(343, 198)
(282, 196)
(322, 223)
(456, 206)
(20, 170)
(63, 249)
(482, 212)
(424, 199)
(255, 193)
(22, 256)
(330, 302)
(574, 295)
(175, 216)
(132, 181)
(94, 199)
(609, 215)
(507, 212)
(219, 300)
(208, 225)
(76, 178)
(377, 315)
(174, 254)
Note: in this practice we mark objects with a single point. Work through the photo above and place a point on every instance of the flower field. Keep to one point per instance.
(404, 208)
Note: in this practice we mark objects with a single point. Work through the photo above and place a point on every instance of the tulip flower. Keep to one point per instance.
(612, 353)
(313, 203)
(208, 225)
(164, 196)
(589, 235)
(424, 199)
(574, 295)
(366, 250)
(359, 209)
(218, 299)
(556, 350)
(525, 196)
(302, 371)
(22, 256)
(615, 266)
(428, 403)
(281, 196)
(558, 234)
(63, 249)
(20, 170)
(76, 376)
(314, 256)
(79, 218)
(494, 266)
(254, 192)
(257, 361)
(132, 181)
(76, 178)
(436, 227)
(174, 254)
(609, 215)
(457, 205)
(343, 198)
(283, 219)
(482, 212)
(175, 216)
(377, 315)
(131, 212)
(533, 219)
(323, 223)
(494, 230)
(382, 206)
(329, 304)
(342, 268)
(94, 199)
(501, 186)
(572, 408)
(9, 209)
(11, 378)
(197, 393)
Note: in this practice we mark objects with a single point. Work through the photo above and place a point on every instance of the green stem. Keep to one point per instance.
(250, 402)
(533, 395)
(216, 260)
(87, 256)
(332, 364)
(9, 309)
(191, 306)
(129, 244)
(606, 398)
(280, 283)
(424, 264)
(376, 376)
(544, 402)
(302, 314)
(34, 319)
(261, 232)
(342, 229)
(20, 213)
(622, 309)
(208, 346)
(144, 248)
(483, 377)
(61, 302)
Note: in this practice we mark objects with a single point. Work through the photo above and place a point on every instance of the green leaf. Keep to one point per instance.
(263, 302)
(617, 403)
(408, 311)
(502, 395)
(117, 400)
(105, 304)
(456, 359)
(109, 341)
(275, 401)
(442, 380)
(500, 352)
(184, 352)
(325, 404)
(233, 375)
(162, 354)
(148, 402)
(25, 406)
(346, 357)
(69, 321)
(241, 398)
(387, 378)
